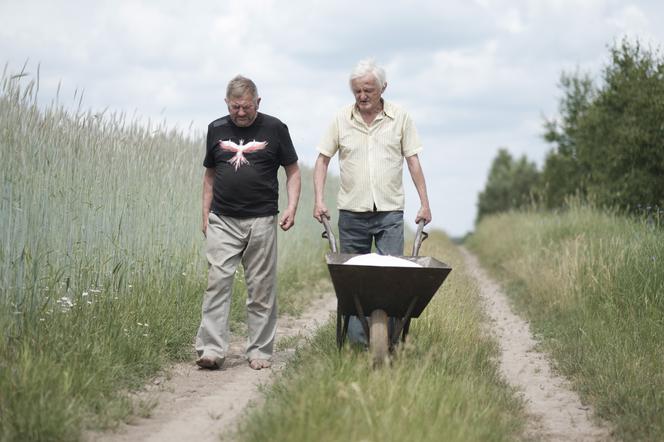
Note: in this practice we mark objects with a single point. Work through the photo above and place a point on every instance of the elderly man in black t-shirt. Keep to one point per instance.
(240, 196)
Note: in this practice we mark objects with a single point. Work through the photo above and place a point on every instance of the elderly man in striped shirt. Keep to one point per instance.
(372, 137)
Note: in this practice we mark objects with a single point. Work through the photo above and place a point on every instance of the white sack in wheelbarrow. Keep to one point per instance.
(374, 259)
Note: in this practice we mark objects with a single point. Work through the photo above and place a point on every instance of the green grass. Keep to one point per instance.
(593, 285)
(442, 385)
(101, 260)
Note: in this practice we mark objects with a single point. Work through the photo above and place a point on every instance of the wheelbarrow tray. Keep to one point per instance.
(392, 289)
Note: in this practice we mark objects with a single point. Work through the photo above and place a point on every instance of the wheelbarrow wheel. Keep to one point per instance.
(378, 342)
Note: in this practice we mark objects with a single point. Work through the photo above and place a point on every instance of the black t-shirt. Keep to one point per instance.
(245, 183)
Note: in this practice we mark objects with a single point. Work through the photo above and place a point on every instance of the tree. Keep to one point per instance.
(609, 143)
(509, 185)
(563, 173)
(621, 137)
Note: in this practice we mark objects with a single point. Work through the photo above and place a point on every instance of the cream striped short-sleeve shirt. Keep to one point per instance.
(371, 157)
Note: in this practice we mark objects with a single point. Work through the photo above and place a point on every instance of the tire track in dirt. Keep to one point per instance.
(556, 411)
(200, 405)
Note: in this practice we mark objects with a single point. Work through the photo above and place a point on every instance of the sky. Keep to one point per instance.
(474, 75)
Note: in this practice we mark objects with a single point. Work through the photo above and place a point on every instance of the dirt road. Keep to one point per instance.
(557, 413)
(200, 405)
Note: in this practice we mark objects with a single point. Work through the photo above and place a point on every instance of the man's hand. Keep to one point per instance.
(423, 214)
(287, 220)
(204, 227)
(320, 211)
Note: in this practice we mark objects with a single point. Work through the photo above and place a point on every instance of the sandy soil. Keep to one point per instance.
(557, 412)
(200, 405)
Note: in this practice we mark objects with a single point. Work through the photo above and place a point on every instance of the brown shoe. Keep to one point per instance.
(210, 362)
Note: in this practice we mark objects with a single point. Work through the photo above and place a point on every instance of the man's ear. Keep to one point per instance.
(258, 102)
(384, 87)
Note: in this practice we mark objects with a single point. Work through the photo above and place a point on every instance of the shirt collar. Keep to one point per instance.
(388, 111)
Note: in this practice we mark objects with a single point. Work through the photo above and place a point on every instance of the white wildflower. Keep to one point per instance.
(65, 300)
(65, 303)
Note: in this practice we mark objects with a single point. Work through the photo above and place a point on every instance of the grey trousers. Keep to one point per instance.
(252, 241)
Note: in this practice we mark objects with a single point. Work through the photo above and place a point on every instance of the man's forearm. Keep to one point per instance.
(421, 188)
(320, 173)
(208, 181)
(207, 202)
(293, 188)
(417, 175)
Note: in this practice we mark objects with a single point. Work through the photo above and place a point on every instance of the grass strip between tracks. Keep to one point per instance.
(442, 385)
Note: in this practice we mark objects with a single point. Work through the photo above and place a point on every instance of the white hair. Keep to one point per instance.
(369, 66)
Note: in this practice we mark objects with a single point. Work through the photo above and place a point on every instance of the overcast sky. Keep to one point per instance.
(474, 75)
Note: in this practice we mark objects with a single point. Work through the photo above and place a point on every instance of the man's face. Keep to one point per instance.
(367, 93)
(243, 110)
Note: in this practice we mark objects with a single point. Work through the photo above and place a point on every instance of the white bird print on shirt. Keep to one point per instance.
(240, 149)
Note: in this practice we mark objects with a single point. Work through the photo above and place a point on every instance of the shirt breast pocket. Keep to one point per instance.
(352, 147)
(391, 145)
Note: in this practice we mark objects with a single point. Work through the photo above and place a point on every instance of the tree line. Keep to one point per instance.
(607, 142)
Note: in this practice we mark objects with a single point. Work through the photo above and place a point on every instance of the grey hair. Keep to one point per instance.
(369, 66)
(240, 86)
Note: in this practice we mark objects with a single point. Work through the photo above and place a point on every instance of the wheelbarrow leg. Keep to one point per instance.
(342, 327)
(404, 324)
(396, 330)
(405, 330)
(340, 336)
(344, 333)
(360, 316)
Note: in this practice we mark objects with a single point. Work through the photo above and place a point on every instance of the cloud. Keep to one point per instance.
(475, 75)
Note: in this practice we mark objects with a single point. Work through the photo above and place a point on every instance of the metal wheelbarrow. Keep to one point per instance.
(381, 292)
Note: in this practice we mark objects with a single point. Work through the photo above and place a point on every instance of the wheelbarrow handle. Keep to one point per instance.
(329, 234)
(420, 236)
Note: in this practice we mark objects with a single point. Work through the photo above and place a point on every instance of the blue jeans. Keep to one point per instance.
(357, 233)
